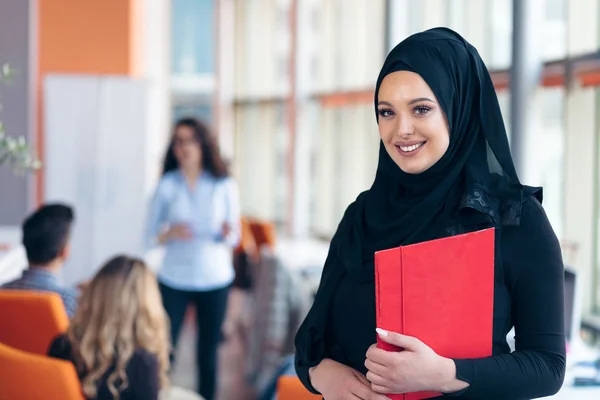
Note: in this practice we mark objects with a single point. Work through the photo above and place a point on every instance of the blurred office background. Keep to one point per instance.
(287, 86)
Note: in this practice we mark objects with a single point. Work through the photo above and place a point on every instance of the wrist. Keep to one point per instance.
(162, 237)
(448, 382)
(313, 375)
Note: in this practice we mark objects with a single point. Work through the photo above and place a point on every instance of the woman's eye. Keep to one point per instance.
(384, 112)
(421, 110)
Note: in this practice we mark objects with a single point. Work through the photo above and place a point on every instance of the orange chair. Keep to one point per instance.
(30, 376)
(247, 242)
(290, 388)
(30, 319)
(264, 233)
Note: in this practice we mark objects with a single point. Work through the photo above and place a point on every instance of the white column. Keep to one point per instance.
(156, 68)
(525, 76)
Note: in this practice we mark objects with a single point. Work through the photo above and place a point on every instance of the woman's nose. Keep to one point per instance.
(405, 126)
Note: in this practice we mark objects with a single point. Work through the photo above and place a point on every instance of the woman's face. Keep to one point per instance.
(186, 148)
(412, 125)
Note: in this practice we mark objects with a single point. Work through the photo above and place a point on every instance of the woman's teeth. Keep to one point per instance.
(408, 149)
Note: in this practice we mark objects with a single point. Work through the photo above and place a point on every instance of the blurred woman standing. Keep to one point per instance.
(195, 214)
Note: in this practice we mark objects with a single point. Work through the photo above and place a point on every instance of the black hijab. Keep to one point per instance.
(402, 208)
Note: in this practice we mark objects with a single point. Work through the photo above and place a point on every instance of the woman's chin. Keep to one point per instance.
(413, 168)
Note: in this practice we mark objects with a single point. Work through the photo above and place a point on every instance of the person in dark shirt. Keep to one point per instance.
(46, 238)
(445, 168)
(118, 339)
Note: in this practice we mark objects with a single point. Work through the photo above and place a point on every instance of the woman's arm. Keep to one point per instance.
(232, 231)
(310, 344)
(155, 218)
(535, 276)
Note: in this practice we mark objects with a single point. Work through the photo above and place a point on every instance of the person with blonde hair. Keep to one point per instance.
(118, 339)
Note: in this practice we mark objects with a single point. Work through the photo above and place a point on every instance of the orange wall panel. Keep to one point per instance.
(88, 36)
(99, 37)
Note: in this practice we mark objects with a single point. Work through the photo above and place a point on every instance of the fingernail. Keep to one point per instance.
(381, 332)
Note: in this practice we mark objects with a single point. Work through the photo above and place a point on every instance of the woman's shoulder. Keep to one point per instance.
(502, 208)
(532, 238)
(169, 177)
(168, 182)
(533, 220)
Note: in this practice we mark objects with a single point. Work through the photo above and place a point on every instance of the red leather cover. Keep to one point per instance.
(441, 292)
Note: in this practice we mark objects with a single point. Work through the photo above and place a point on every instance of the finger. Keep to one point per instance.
(361, 390)
(376, 368)
(371, 348)
(376, 379)
(409, 343)
(380, 356)
(361, 378)
(381, 390)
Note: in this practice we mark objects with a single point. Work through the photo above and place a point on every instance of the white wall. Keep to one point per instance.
(97, 161)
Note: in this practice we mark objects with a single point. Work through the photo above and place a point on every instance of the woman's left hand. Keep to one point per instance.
(415, 368)
(226, 229)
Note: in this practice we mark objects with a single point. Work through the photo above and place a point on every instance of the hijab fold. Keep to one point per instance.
(402, 208)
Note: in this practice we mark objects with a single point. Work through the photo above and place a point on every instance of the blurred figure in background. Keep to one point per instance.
(195, 214)
(118, 339)
(46, 237)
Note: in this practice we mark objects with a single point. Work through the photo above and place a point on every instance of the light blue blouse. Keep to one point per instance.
(204, 262)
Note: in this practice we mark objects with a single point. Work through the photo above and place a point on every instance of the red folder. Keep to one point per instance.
(441, 292)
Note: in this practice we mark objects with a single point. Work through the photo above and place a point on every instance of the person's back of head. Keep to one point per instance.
(46, 234)
(120, 309)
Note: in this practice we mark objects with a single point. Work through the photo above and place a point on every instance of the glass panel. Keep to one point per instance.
(550, 154)
(582, 25)
(261, 142)
(554, 41)
(192, 36)
(499, 34)
(200, 111)
(343, 44)
(344, 162)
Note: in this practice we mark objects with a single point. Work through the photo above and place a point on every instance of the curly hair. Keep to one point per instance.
(211, 157)
(119, 312)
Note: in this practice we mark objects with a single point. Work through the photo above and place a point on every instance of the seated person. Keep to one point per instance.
(118, 339)
(46, 236)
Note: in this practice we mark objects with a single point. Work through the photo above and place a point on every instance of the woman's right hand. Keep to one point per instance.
(176, 232)
(336, 381)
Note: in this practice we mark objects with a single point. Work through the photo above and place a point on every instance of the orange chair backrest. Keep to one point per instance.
(290, 388)
(247, 243)
(31, 376)
(264, 233)
(30, 320)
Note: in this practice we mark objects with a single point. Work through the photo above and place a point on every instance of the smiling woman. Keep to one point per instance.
(444, 168)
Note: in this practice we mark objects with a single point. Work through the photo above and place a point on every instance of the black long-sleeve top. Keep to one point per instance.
(528, 293)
